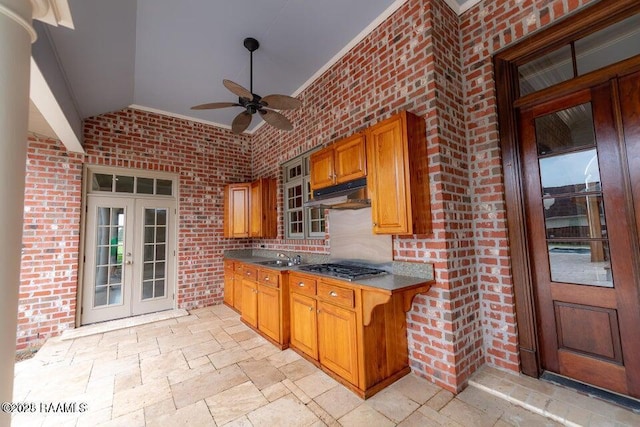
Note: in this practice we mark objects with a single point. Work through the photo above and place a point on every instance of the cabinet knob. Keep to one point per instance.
(333, 294)
(301, 284)
(375, 224)
(310, 308)
(266, 278)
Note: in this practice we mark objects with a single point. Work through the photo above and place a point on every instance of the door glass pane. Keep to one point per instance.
(164, 187)
(565, 130)
(583, 263)
(159, 288)
(102, 182)
(124, 184)
(609, 45)
(546, 71)
(572, 199)
(155, 253)
(108, 256)
(574, 217)
(570, 172)
(144, 186)
(147, 289)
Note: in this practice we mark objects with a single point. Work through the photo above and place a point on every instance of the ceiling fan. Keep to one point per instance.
(253, 103)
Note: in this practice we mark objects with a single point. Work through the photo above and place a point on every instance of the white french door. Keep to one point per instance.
(129, 257)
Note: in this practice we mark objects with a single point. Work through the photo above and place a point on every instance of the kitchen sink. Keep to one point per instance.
(277, 263)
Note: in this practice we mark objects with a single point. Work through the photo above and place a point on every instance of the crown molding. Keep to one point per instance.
(53, 12)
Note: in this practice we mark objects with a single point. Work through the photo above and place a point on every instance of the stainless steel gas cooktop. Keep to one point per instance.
(343, 271)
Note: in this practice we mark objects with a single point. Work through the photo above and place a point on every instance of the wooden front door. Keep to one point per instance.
(581, 168)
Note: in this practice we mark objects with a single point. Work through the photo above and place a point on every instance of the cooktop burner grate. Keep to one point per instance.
(343, 271)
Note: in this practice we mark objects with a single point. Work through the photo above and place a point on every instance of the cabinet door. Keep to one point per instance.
(237, 292)
(304, 324)
(337, 341)
(255, 208)
(228, 288)
(350, 159)
(322, 172)
(250, 302)
(269, 312)
(388, 177)
(236, 210)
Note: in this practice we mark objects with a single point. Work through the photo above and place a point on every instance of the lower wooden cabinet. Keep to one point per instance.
(269, 311)
(250, 302)
(355, 333)
(304, 324)
(261, 296)
(337, 340)
(233, 284)
(229, 283)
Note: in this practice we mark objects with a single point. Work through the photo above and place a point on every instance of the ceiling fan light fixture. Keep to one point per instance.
(253, 103)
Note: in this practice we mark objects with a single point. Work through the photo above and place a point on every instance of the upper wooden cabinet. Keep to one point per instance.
(262, 204)
(340, 162)
(398, 179)
(250, 209)
(236, 210)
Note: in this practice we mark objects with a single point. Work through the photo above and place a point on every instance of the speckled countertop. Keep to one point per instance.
(403, 274)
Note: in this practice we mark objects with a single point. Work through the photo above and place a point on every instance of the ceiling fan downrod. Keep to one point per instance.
(251, 44)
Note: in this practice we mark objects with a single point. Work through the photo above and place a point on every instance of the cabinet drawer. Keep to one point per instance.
(250, 273)
(302, 285)
(336, 295)
(269, 277)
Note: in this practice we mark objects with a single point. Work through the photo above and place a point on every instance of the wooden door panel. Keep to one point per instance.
(337, 343)
(350, 159)
(593, 371)
(237, 292)
(592, 331)
(269, 312)
(250, 302)
(387, 172)
(322, 173)
(304, 326)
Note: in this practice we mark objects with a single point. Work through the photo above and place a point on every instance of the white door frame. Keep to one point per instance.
(169, 201)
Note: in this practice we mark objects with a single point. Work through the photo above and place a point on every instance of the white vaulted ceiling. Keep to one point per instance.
(169, 55)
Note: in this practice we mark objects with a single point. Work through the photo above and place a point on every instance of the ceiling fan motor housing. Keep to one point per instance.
(251, 44)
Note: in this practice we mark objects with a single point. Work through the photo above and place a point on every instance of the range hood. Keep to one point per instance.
(348, 195)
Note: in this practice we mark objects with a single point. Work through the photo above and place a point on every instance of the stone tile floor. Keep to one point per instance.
(210, 369)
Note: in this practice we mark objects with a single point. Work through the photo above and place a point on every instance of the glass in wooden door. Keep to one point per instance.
(153, 290)
(107, 284)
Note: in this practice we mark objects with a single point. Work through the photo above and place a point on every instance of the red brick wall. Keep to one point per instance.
(204, 157)
(50, 242)
(486, 28)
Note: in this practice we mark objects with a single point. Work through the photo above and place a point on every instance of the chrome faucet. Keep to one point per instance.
(295, 260)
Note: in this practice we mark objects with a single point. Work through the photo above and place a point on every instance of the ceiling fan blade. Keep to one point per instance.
(237, 89)
(215, 105)
(281, 102)
(241, 122)
(276, 119)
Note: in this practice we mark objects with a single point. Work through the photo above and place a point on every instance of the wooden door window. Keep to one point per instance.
(573, 209)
